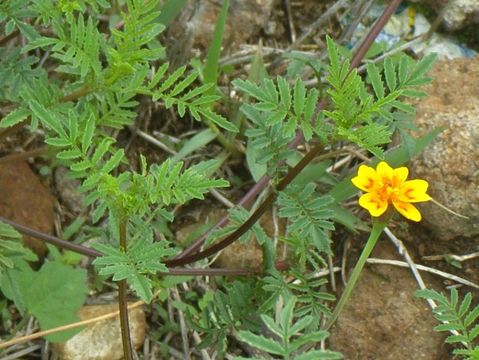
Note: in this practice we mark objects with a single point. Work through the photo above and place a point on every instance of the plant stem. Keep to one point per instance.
(263, 182)
(123, 302)
(377, 229)
(254, 217)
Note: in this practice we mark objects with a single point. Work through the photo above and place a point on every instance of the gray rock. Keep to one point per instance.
(459, 14)
(451, 162)
(68, 190)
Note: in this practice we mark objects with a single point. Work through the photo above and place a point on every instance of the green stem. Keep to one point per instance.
(123, 301)
(377, 229)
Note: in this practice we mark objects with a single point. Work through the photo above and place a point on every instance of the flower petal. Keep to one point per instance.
(366, 179)
(413, 191)
(400, 175)
(373, 203)
(407, 210)
(385, 172)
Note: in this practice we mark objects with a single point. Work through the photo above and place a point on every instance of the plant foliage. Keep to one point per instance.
(288, 336)
(458, 318)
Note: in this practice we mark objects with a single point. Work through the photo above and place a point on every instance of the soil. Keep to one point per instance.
(383, 320)
(26, 200)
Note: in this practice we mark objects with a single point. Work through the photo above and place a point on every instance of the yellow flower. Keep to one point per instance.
(385, 186)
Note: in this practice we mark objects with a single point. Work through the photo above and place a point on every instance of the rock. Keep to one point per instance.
(102, 340)
(245, 19)
(383, 320)
(24, 199)
(459, 14)
(450, 164)
(68, 190)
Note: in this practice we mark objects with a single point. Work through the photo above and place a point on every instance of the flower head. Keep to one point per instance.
(385, 186)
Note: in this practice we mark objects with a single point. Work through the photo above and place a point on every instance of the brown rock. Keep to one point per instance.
(102, 340)
(451, 162)
(383, 320)
(24, 199)
(245, 19)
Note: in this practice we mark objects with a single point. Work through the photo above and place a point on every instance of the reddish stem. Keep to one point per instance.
(263, 182)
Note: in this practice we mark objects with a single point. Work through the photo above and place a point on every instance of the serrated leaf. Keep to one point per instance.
(376, 82)
(47, 117)
(269, 322)
(390, 74)
(219, 120)
(422, 67)
(171, 79)
(260, 342)
(69, 154)
(299, 96)
(471, 316)
(81, 165)
(88, 132)
(182, 85)
(114, 161)
(284, 91)
(14, 117)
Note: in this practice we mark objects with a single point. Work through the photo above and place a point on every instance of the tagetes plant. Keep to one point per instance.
(385, 186)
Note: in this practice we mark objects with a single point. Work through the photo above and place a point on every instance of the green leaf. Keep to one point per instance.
(376, 82)
(218, 120)
(47, 117)
(284, 91)
(53, 295)
(142, 259)
(256, 168)
(390, 74)
(114, 161)
(14, 117)
(472, 316)
(196, 142)
(286, 316)
(269, 322)
(319, 355)
(210, 72)
(299, 96)
(332, 53)
(88, 133)
(169, 82)
(69, 154)
(422, 67)
(261, 342)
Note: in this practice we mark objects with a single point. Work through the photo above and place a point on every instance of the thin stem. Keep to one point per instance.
(377, 229)
(84, 250)
(292, 173)
(263, 182)
(123, 301)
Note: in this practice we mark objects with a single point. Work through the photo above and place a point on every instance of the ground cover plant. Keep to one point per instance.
(80, 83)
